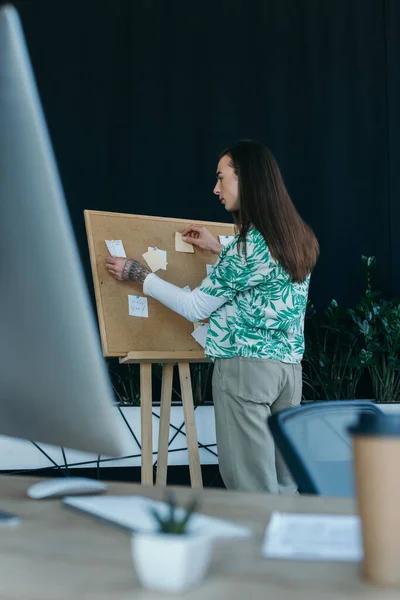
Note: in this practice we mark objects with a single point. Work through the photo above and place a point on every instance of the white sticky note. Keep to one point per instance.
(164, 255)
(116, 248)
(180, 245)
(138, 306)
(200, 334)
(313, 537)
(155, 260)
(187, 288)
(209, 268)
(225, 239)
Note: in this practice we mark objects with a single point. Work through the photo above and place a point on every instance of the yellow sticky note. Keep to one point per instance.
(180, 245)
(155, 260)
(163, 252)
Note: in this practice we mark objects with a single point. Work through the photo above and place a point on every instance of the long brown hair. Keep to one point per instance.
(266, 205)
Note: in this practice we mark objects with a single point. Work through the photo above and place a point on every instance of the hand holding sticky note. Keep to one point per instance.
(156, 259)
(180, 245)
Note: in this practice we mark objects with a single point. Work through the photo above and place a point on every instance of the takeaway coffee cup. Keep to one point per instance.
(376, 446)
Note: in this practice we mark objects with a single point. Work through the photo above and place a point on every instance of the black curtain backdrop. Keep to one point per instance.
(392, 23)
(141, 96)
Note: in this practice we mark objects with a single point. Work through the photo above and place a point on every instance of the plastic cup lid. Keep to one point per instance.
(373, 424)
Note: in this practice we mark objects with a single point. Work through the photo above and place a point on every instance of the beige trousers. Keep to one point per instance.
(246, 391)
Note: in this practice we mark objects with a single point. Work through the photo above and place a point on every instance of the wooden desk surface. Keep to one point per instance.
(59, 554)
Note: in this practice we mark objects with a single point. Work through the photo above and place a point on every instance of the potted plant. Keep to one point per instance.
(332, 363)
(173, 558)
(378, 321)
(354, 352)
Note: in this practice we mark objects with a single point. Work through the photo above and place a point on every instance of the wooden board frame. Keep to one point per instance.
(108, 225)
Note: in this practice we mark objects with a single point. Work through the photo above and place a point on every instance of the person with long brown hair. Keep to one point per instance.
(255, 298)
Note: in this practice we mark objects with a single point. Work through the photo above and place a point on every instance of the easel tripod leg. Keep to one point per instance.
(190, 425)
(146, 424)
(165, 415)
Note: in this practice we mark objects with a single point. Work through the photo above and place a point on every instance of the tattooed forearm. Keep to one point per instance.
(125, 270)
(134, 271)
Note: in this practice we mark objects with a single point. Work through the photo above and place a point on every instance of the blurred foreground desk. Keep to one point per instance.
(59, 554)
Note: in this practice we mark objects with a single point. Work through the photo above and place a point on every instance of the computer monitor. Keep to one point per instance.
(54, 385)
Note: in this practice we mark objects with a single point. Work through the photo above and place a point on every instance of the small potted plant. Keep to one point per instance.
(172, 559)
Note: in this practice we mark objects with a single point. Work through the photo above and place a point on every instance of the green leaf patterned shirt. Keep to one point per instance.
(263, 316)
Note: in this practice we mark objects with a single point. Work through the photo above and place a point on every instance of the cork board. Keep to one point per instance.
(163, 331)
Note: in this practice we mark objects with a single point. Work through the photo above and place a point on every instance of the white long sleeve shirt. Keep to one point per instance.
(194, 306)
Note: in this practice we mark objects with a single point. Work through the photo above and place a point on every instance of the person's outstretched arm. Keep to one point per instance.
(194, 306)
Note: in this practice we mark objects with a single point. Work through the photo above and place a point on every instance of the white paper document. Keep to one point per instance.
(225, 239)
(138, 306)
(116, 248)
(313, 537)
(163, 254)
(134, 513)
(200, 334)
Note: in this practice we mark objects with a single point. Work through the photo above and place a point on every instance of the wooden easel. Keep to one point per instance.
(164, 337)
(169, 360)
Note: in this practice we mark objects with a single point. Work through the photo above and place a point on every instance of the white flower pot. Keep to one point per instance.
(171, 563)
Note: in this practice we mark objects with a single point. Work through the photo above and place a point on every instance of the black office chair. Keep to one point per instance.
(316, 445)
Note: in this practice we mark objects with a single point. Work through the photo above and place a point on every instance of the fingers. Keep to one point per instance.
(113, 272)
(113, 267)
(116, 274)
(192, 228)
(192, 240)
